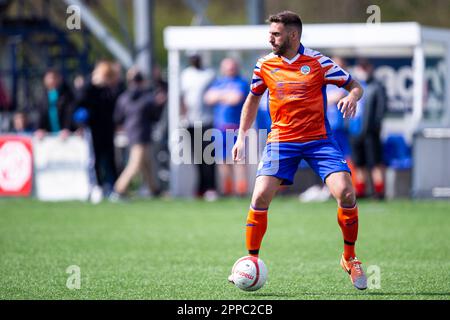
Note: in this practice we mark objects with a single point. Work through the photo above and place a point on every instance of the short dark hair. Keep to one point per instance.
(288, 18)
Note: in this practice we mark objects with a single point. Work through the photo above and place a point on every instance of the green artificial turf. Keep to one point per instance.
(181, 249)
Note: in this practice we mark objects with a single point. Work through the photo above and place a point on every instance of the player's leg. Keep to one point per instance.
(327, 160)
(340, 185)
(278, 166)
(263, 193)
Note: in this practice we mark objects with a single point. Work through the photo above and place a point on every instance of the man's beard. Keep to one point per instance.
(281, 50)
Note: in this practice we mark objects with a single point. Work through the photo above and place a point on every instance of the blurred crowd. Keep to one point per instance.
(107, 104)
(99, 107)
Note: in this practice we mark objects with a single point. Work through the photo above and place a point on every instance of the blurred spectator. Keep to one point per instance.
(4, 100)
(160, 88)
(79, 82)
(194, 81)
(160, 133)
(55, 111)
(99, 98)
(340, 134)
(21, 124)
(227, 94)
(365, 130)
(136, 110)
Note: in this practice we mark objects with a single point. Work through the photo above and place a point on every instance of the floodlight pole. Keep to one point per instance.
(174, 115)
(418, 64)
(255, 11)
(143, 34)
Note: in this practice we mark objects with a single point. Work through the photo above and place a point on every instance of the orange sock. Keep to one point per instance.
(348, 221)
(255, 229)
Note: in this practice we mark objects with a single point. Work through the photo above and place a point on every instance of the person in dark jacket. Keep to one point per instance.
(136, 110)
(5, 103)
(365, 130)
(99, 98)
(56, 109)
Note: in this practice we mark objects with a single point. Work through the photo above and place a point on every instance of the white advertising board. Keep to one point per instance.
(61, 169)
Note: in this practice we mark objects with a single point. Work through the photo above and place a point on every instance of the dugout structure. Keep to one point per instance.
(428, 50)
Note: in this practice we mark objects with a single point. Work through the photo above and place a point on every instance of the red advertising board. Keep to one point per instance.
(16, 166)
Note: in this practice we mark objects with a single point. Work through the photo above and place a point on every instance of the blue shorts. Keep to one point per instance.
(343, 141)
(281, 159)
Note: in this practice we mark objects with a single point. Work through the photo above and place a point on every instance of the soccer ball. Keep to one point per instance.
(249, 273)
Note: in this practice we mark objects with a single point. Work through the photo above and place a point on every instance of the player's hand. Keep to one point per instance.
(238, 150)
(347, 106)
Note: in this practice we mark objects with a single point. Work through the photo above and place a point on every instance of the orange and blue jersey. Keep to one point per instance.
(297, 93)
(298, 109)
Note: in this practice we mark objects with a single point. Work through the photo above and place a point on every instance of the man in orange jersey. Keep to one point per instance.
(296, 78)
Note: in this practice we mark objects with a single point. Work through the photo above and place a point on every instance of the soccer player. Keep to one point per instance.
(296, 78)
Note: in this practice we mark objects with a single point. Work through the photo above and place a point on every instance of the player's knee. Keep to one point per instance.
(346, 196)
(261, 199)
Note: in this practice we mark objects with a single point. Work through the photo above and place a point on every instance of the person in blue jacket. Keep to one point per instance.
(227, 95)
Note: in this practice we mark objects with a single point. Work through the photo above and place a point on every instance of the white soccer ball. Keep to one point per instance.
(249, 273)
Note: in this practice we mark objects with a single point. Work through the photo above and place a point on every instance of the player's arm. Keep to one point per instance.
(347, 105)
(248, 116)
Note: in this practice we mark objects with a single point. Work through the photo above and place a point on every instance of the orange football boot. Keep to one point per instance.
(354, 269)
